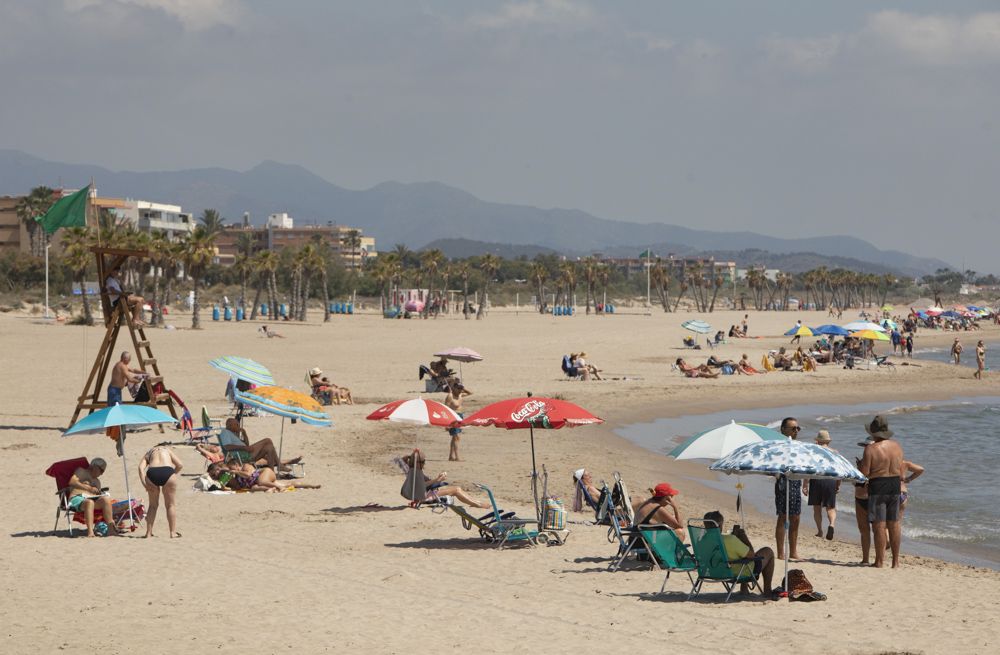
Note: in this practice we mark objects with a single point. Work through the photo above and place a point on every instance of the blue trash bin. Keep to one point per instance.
(263, 309)
(282, 310)
(215, 312)
(239, 314)
(350, 308)
(228, 314)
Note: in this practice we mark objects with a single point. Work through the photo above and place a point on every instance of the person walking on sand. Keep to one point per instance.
(453, 400)
(798, 337)
(956, 351)
(790, 428)
(158, 471)
(822, 494)
(882, 464)
(980, 360)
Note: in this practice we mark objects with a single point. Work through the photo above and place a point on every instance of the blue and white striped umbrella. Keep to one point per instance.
(242, 368)
(694, 325)
(793, 459)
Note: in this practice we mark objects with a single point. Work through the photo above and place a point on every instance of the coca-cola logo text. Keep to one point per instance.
(530, 408)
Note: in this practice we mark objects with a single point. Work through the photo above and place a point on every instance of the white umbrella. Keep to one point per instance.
(793, 459)
(857, 326)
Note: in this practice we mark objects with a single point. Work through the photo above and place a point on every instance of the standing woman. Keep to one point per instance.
(980, 359)
(158, 471)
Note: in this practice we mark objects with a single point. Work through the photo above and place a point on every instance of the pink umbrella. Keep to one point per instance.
(416, 411)
(460, 354)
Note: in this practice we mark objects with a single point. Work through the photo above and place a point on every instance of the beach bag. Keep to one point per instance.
(554, 515)
(204, 482)
(799, 587)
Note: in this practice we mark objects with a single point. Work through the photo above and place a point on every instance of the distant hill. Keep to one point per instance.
(462, 248)
(420, 213)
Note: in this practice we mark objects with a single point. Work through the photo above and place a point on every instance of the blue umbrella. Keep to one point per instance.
(701, 327)
(951, 314)
(793, 459)
(122, 417)
(831, 330)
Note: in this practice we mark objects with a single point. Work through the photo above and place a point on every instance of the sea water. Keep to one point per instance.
(954, 508)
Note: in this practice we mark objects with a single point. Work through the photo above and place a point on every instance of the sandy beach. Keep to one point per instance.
(315, 571)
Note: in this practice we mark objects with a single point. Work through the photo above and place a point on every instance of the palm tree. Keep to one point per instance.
(158, 247)
(171, 257)
(28, 209)
(447, 272)
(77, 256)
(352, 242)
(589, 268)
(489, 265)
(199, 248)
(567, 275)
(659, 278)
(464, 270)
(267, 263)
(539, 273)
(430, 262)
(212, 221)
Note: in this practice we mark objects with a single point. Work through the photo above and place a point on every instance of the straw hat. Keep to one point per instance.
(316, 371)
(823, 436)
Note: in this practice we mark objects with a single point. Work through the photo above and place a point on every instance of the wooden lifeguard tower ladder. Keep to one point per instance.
(108, 259)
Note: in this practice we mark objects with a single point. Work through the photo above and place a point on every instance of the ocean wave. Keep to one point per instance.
(908, 409)
(836, 418)
(920, 532)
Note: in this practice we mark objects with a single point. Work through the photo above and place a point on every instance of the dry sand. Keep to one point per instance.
(318, 571)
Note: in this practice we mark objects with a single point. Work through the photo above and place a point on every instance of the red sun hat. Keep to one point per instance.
(663, 489)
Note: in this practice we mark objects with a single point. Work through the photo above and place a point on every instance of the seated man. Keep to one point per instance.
(84, 494)
(113, 287)
(234, 438)
(738, 547)
(702, 371)
(660, 508)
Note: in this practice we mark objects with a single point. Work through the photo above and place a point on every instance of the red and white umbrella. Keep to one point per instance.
(417, 411)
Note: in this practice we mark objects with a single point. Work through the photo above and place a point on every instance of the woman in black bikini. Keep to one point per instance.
(158, 471)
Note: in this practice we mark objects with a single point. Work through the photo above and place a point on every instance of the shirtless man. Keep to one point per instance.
(235, 438)
(84, 495)
(121, 377)
(882, 463)
(453, 400)
(660, 508)
(113, 286)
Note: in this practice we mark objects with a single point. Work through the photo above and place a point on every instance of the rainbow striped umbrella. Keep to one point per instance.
(242, 368)
(286, 404)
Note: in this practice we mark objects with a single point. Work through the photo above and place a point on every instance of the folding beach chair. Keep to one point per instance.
(668, 552)
(505, 528)
(63, 472)
(713, 563)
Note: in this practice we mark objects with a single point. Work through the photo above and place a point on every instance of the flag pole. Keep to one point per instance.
(47, 246)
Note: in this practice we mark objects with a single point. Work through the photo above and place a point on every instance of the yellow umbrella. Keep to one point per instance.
(286, 404)
(800, 331)
(887, 308)
(870, 334)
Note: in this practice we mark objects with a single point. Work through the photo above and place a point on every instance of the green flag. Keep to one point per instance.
(70, 211)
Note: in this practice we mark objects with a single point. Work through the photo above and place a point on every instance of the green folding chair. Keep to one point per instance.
(668, 552)
(714, 564)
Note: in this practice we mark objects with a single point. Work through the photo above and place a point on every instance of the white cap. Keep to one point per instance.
(578, 474)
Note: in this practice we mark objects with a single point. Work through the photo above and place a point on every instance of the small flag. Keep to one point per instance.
(70, 211)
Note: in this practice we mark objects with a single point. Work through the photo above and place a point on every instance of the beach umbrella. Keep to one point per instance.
(121, 417)
(286, 404)
(889, 325)
(793, 459)
(863, 325)
(799, 331)
(694, 325)
(532, 412)
(950, 314)
(719, 442)
(460, 354)
(870, 334)
(416, 411)
(242, 368)
(831, 330)
(887, 308)
(934, 311)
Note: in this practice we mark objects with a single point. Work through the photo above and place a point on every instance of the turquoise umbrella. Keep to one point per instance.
(122, 417)
(242, 368)
(701, 327)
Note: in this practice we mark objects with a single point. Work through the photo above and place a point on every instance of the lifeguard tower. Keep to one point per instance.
(115, 317)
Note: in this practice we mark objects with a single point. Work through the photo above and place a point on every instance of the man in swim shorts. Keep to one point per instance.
(85, 495)
(738, 547)
(790, 428)
(882, 463)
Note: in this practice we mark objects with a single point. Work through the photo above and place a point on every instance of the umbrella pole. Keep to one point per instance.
(788, 532)
(534, 473)
(281, 443)
(128, 491)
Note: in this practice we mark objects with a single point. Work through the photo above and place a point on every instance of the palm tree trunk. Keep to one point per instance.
(256, 301)
(465, 298)
(480, 311)
(88, 317)
(157, 313)
(326, 294)
(305, 299)
(243, 291)
(195, 305)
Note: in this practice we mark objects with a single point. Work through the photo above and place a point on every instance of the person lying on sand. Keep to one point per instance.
(743, 367)
(702, 371)
(438, 487)
(244, 477)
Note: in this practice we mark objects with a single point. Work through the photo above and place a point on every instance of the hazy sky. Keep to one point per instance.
(785, 117)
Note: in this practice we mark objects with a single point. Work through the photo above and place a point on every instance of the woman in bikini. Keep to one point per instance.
(158, 471)
(244, 477)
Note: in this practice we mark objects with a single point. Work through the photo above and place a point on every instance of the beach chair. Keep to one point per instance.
(713, 563)
(630, 543)
(226, 439)
(668, 552)
(506, 528)
(62, 472)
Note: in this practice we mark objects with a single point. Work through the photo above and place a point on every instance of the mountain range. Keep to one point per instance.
(417, 214)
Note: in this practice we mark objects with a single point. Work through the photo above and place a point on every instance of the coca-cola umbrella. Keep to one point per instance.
(532, 412)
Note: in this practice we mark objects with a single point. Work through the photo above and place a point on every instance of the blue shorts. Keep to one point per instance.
(114, 395)
(794, 498)
(75, 502)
